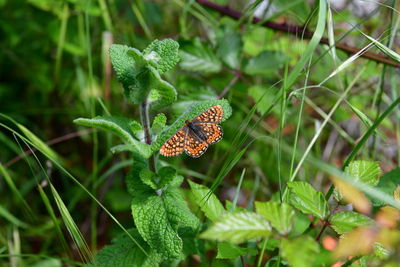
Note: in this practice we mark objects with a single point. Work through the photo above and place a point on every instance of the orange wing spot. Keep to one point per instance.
(214, 114)
(194, 147)
(175, 145)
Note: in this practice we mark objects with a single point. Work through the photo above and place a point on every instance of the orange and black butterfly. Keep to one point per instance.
(196, 135)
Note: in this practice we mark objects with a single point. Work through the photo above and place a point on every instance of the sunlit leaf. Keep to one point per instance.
(345, 221)
(238, 227)
(208, 203)
(300, 252)
(308, 200)
(280, 215)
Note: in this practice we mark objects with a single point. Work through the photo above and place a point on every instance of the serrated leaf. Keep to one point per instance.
(231, 251)
(280, 215)
(192, 112)
(238, 227)
(308, 200)
(197, 56)
(161, 217)
(119, 126)
(265, 63)
(345, 221)
(163, 55)
(367, 172)
(300, 252)
(208, 203)
(123, 252)
(229, 47)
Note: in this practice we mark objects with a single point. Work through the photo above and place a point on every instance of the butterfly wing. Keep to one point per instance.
(212, 115)
(176, 144)
(212, 131)
(194, 146)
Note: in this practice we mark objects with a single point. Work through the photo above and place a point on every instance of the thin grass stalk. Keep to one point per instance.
(319, 131)
(69, 175)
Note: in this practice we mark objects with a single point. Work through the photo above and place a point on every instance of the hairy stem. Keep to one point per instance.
(144, 117)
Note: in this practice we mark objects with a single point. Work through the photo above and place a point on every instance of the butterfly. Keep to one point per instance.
(196, 135)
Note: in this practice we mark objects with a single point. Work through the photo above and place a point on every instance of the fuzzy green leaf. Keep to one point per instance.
(148, 178)
(300, 252)
(119, 126)
(138, 77)
(345, 221)
(231, 251)
(162, 217)
(280, 215)
(197, 56)
(162, 55)
(367, 172)
(265, 63)
(158, 123)
(238, 227)
(191, 113)
(229, 47)
(124, 252)
(208, 203)
(308, 200)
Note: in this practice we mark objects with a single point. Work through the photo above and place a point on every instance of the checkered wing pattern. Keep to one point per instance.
(194, 146)
(176, 144)
(212, 115)
(195, 139)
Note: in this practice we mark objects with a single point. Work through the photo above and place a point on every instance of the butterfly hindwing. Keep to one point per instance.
(176, 144)
(194, 146)
(212, 131)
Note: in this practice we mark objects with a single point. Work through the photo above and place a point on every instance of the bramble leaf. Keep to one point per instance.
(124, 252)
(191, 113)
(300, 252)
(197, 56)
(280, 215)
(367, 172)
(231, 251)
(162, 55)
(345, 221)
(162, 217)
(387, 184)
(119, 126)
(208, 203)
(238, 227)
(308, 200)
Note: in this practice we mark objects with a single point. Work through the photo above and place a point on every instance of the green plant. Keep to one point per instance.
(161, 215)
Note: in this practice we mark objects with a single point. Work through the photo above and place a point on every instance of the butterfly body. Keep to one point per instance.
(196, 135)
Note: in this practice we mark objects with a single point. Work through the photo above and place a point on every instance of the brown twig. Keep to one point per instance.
(229, 86)
(301, 31)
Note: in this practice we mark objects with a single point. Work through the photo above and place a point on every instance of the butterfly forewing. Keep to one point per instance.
(176, 144)
(212, 115)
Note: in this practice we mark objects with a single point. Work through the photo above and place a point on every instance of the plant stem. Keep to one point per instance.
(144, 117)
